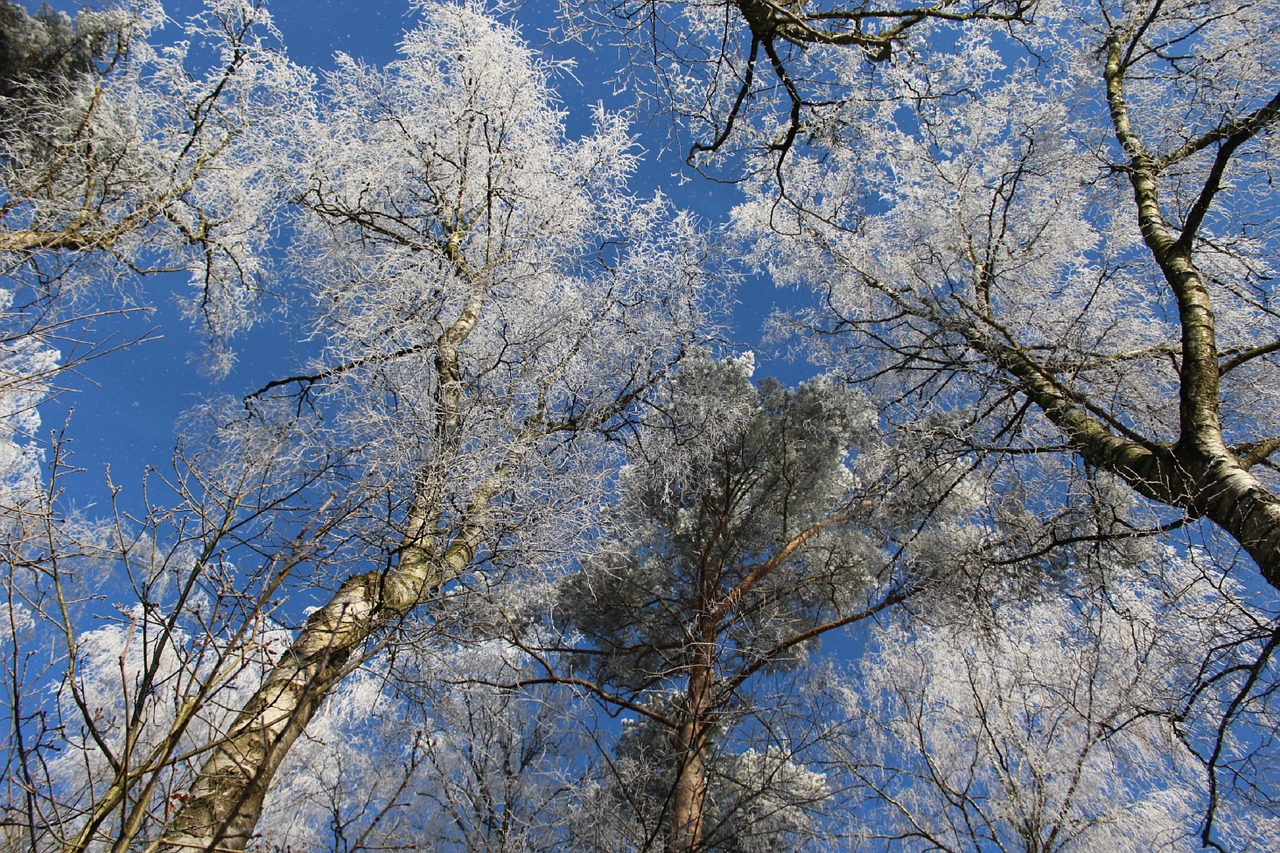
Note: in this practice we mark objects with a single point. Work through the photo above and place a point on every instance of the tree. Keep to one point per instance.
(1096, 259)
(105, 704)
(755, 799)
(751, 522)
(48, 51)
(494, 303)
(1047, 725)
(117, 157)
(491, 310)
(415, 752)
(1079, 264)
(408, 750)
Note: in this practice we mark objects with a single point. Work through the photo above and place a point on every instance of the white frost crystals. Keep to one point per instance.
(148, 158)
(26, 366)
(455, 221)
(494, 304)
(1051, 725)
(371, 595)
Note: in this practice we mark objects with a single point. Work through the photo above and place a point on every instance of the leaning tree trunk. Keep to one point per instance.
(222, 808)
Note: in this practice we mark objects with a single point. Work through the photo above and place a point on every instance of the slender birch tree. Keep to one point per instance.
(118, 157)
(494, 302)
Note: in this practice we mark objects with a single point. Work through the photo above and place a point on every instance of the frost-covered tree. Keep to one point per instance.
(1054, 724)
(489, 302)
(47, 50)
(493, 302)
(26, 367)
(1072, 243)
(489, 310)
(742, 76)
(130, 641)
(410, 750)
(751, 521)
(117, 155)
(1064, 236)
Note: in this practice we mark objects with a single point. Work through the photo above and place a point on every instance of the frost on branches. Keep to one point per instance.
(1062, 237)
(26, 366)
(491, 303)
(494, 303)
(119, 156)
(1042, 238)
(741, 76)
(1059, 724)
(752, 521)
(1068, 233)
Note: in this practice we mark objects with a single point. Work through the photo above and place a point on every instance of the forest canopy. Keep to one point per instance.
(480, 532)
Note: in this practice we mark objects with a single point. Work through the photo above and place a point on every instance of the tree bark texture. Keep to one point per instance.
(224, 804)
(693, 743)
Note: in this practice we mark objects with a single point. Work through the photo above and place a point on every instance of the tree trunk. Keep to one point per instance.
(1223, 490)
(224, 803)
(693, 742)
(1199, 475)
(222, 808)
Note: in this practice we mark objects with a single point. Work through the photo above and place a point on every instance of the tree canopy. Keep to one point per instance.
(513, 551)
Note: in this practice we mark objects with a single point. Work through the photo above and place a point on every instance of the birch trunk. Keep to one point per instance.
(224, 804)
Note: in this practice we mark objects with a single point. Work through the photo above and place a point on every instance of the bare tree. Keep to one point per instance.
(744, 76)
(414, 751)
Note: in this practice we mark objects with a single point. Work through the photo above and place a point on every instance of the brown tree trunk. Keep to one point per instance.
(693, 743)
